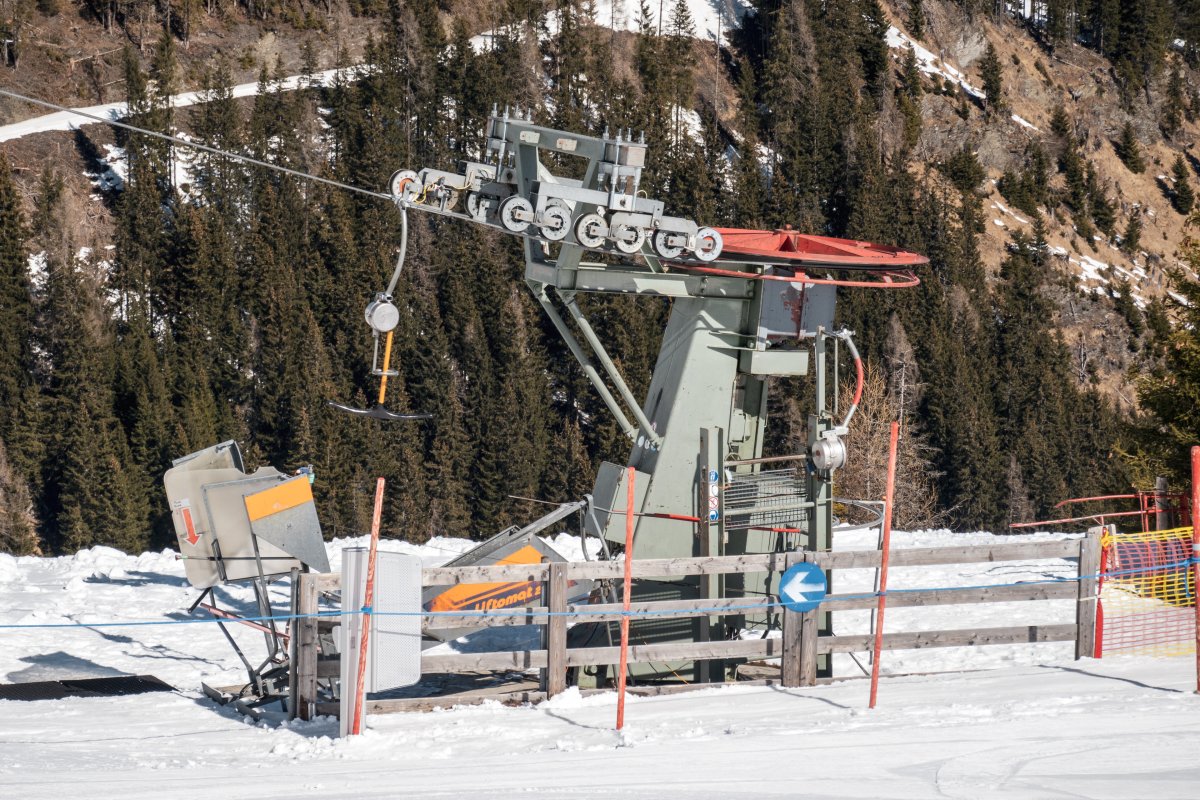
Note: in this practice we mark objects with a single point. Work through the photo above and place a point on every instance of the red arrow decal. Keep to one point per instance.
(192, 536)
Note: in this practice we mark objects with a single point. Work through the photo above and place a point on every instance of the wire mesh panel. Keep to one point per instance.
(771, 499)
(1148, 593)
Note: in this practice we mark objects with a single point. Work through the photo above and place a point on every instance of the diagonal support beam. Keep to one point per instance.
(610, 368)
(589, 369)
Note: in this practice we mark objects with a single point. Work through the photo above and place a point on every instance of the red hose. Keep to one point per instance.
(887, 280)
(858, 390)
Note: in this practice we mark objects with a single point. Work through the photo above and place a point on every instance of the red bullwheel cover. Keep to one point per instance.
(789, 247)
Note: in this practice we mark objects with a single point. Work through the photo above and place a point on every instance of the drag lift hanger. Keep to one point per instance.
(382, 316)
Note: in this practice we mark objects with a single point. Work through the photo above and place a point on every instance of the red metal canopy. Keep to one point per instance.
(787, 245)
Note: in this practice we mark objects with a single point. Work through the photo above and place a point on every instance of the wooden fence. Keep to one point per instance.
(798, 648)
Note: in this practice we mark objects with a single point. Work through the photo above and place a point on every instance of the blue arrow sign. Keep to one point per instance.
(802, 587)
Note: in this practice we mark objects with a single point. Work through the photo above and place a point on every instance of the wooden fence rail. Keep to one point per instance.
(798, 647)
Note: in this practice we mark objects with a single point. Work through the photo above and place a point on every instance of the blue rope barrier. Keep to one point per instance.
(522, 612)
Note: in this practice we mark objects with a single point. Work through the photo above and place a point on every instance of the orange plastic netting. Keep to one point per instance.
(1148, 593)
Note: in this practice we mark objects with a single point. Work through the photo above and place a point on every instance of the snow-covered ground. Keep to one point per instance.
(1037, 724)
(70, 120)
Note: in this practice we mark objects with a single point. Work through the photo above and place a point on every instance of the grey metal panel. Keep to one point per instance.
(775, 362)
(297, 532)
(225, 455)
(225, 505)
(691, 388)
(394, 647)
(477, 554)
(609, 497)
(819, 302)
(185, 493)
(789, 310)
(672, 284)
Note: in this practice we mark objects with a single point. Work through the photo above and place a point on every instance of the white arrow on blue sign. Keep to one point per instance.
(802, 587)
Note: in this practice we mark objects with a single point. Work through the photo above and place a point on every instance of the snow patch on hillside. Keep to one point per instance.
(930, 64)
(115, 112)
(710, 19)
(1024, 123)
(36, 264)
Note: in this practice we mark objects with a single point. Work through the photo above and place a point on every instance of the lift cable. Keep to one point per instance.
(197, 146)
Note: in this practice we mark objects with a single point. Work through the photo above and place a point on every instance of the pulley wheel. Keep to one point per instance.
(404, 185)
(508, 211)
(708, 244)
(477, 205)
(627, 238)
(557, 225)
(663, 247)
(590, 231)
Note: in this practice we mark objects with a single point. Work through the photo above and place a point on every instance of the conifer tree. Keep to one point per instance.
(1061, 125)
(1182, 196)
(1144, 36)
(1170, 390)
(1131, 240)
(1103, 23)
(992, 75)
(18, 525)
(95, 494)
(16, 304)
(1100, 206)
(1127, 308)
(912, 73)
(1128, 150)
(1174, 104)
(1187, 29)
(1058, 25)
(916, 19)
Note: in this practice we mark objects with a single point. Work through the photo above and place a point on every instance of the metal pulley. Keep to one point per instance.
(404, 186)
(382, 315)
(829, 453)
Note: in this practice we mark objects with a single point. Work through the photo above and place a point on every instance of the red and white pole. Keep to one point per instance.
(360, 685)
(625, 602)
(886, 548)
(1196, 553)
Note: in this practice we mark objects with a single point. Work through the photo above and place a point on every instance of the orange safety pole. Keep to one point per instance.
(886, 546)
(360, 685)
(1196, 553)
(625, 602)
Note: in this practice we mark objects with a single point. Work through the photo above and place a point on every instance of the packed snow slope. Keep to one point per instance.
(1037, 724)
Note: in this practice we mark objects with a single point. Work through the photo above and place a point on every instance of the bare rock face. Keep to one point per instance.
(995, 149)
(967, 47)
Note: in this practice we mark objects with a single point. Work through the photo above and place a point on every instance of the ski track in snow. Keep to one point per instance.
(115, 112)
(1040, 725)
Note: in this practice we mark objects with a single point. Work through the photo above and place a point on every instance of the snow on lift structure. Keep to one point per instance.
(746, 307)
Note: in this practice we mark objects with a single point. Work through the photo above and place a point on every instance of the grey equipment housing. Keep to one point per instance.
(207, 492)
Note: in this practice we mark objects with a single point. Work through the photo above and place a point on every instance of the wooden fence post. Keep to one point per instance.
(790, 668)
(810, 622)
(556, 630)
(799, 666)
(1085, 608)
(304, 668)
(1162, 515)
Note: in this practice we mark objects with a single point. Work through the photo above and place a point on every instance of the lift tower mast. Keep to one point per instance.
(746, 306)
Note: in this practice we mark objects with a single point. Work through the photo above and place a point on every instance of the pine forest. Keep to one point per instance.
(225, 301)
